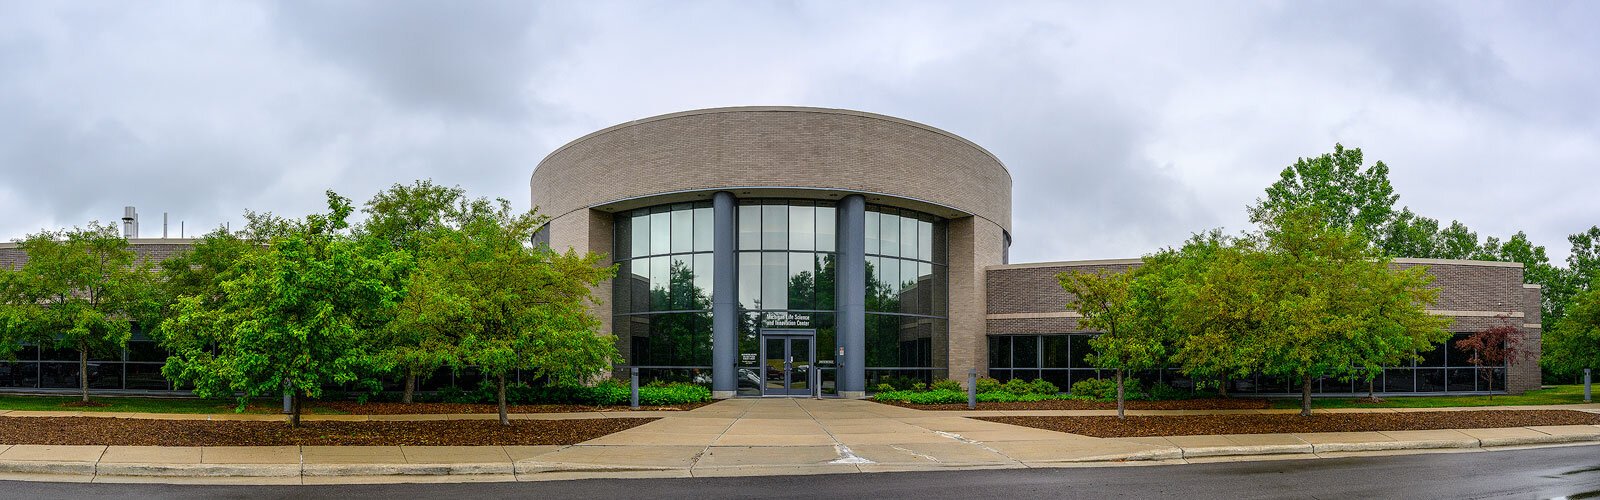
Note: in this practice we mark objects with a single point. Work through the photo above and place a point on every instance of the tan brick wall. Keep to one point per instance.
(148, 249)
(1473, 294)
(975, 244)
(776, 148)
(587, 231)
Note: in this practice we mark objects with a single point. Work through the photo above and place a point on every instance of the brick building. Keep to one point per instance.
(785, 251)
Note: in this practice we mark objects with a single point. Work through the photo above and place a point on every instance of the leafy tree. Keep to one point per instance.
(521, 308)
(1331, 305)
(1109, 303)
(293, 318)
(80, 289)
(416, 342)
(1493, 347)
(1574, 344)
(1211, 305)
(1353, 197)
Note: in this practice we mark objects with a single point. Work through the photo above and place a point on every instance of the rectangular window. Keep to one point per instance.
(703, 272)
(802, 228)
(910, 301)
(660, 233)
(704, 229)
(908, 238)
(660, 287)
(641, 235)
(774, 227)
(890, 235)
(873, 242)
(749, 227)
(891, 284)
(826, 218)
(925, 240)
(1056, 352)
(1025, 352)
(680, 278)
(774, 280)
(750, 280)
(682, 229)
(802, 280)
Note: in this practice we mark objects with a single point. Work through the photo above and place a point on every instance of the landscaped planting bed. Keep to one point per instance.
(378, 408)
(1080, 404)
(1187, 425)
(151, 432)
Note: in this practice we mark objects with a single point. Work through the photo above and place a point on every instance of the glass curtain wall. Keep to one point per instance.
(787, 250)
(662, 294)
(907, 321)
(138, 367)
(1062, 360)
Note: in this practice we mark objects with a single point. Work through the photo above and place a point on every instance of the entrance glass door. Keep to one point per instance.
(786, 362)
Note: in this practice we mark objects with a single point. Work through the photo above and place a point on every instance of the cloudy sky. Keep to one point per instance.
(1126, 127)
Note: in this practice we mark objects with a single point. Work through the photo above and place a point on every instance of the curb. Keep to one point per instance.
(533, 469)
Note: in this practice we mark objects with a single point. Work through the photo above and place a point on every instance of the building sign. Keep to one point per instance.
(748, 357)
(781, 319)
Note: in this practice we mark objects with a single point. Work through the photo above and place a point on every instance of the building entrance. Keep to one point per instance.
(786, 361)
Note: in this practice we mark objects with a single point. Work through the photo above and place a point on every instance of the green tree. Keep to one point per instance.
(1211, 306)
(404, 218)
(1354, 197)
(522, 308)
(290, 319)
(1332, 307)
(1574, 343)
(80, 289)
(1109, 303)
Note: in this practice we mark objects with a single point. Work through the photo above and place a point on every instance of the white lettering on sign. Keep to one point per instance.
(779, 319)
(748, 358)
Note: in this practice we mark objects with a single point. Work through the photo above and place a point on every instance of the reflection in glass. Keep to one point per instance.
(826, 218)
(774, 280)
(802, 228)
(682, 229)
(890, 235)
(774, 227)
(704, 229)
(660, 233)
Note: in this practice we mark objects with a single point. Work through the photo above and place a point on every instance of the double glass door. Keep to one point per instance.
(787, 364)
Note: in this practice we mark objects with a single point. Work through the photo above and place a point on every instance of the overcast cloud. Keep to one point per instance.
(1126, 127)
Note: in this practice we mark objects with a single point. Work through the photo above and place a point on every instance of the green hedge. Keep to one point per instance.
(605, 393)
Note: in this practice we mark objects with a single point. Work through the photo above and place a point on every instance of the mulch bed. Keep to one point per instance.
(1073, 404)
(1188, 425)
(386, 408)
(148, 432)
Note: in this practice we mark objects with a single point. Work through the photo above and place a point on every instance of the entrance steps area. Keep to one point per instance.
(740, 437)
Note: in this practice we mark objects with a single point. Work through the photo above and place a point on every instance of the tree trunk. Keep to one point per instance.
(1372, 392)
(1222, 387)
(502, 397)
(1305, 396)
(1120, 415)
(83, 369)
(294, 410)
(411, 385)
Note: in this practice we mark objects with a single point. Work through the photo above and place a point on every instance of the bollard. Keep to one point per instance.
(634, 402)
(972, 388)
(1585, 385)
(288, 403)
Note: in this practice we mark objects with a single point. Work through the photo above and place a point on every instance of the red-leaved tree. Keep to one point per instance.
(1494, 347)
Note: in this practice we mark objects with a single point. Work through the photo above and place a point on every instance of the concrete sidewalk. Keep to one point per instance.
(739, 437)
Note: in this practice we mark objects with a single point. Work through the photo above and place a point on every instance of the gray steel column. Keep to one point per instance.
(851, 294)
(724, 296)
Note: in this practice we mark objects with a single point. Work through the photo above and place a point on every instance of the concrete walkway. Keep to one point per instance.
(739, 437)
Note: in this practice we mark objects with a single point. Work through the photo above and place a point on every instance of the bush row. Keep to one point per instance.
(605, 393)
(1015, 390)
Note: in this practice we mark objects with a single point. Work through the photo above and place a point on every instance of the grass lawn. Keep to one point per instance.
(1555, 395)
(139, 405)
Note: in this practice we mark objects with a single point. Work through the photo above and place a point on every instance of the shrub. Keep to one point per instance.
(923, 397)
(882, 388)
(673, 394)
(947, 385)
(996, 397)
(1164, 392)
(1044, 387)
(1094, 388)
(898, 383)
(919, 387)
(987, 384)
(1017, 387)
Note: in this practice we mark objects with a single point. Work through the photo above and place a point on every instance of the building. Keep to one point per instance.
(782, 250)
(785, 250)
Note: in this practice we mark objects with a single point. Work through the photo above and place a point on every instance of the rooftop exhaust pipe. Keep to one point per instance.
(130, 222)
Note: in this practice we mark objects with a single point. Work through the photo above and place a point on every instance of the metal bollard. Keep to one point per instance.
(288, 400)
(972, 388)
(634, 402)
(1586, 385)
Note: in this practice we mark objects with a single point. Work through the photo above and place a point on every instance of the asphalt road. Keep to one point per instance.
(1541, 473)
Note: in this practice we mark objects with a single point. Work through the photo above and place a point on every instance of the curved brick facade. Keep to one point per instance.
(775, 148)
